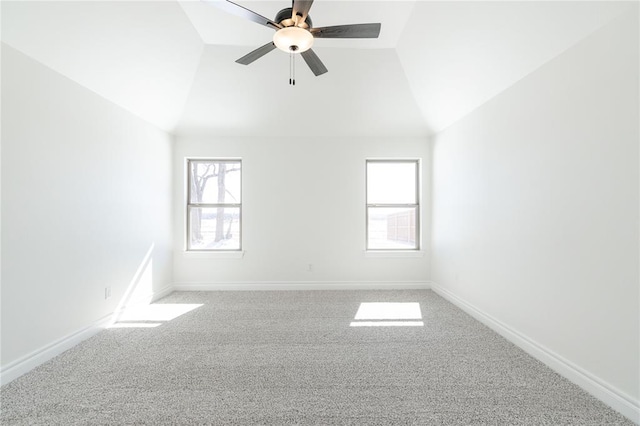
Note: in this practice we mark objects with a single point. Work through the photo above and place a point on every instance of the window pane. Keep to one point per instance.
(215, 182)
(391, 228)
(391, 182)
(214, 228)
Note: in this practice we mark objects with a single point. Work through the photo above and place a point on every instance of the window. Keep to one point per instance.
(214, 206)
(393, 210)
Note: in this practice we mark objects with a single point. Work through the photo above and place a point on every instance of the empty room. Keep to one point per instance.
(320, 212)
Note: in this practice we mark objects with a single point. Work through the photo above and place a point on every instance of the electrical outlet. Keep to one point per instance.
(107, 293)
(310, 267)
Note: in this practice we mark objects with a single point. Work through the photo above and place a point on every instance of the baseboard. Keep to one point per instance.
(619, 401)
(30, 361)
(302, 285)
(17, 368)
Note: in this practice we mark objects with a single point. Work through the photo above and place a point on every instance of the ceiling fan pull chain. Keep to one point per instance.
(292, 69)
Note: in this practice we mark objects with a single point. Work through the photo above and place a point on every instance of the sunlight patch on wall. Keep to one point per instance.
(134, 309)
(388, 314)
(141, 283)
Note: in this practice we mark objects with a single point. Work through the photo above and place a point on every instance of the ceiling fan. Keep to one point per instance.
(295, 33)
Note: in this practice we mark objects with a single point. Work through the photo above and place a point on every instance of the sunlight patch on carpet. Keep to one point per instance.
(134, 325)
(158, 311)
(387, 324)
(154, 315)
(386, 314)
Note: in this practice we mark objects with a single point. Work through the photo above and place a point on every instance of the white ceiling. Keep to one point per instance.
(139, 55)
(251, 100)
(172, 63)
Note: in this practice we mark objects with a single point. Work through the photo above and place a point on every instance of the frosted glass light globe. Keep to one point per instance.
(293, 39)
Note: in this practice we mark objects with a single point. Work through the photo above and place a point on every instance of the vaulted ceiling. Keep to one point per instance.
(172, 62)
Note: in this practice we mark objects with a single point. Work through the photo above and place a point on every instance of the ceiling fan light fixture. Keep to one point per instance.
(293, 39)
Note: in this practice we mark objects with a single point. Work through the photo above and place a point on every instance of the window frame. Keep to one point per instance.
(189, 205)
(416, 206)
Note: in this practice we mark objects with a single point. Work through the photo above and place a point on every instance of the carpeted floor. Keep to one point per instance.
(292, 358)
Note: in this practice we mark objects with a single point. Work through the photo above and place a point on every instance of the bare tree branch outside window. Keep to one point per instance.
(214, 204)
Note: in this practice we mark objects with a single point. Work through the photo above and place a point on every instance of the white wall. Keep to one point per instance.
(303, 203)
(535, 208)
(86, 194)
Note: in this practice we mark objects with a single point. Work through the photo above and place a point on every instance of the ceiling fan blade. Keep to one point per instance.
(243, 12)
(348, 31)
(256, 54)
(301, 9)
(314, 62)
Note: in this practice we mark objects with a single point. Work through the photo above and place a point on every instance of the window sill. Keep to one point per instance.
(393, 253)
(213, 254)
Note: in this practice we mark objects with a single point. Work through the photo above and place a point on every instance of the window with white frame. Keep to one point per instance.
(393, 204)
(214, 205)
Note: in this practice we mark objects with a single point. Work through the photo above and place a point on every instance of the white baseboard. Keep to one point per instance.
(303, 285)
(619, 401)
(17, 368)
(30, 361)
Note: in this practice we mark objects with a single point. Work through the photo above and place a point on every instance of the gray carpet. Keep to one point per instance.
(291, 358)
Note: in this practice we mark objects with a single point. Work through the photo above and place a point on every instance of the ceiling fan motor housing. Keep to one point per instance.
(284, 18)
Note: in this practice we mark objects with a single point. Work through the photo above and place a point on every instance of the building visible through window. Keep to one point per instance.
(214, 204)
(393, 209)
